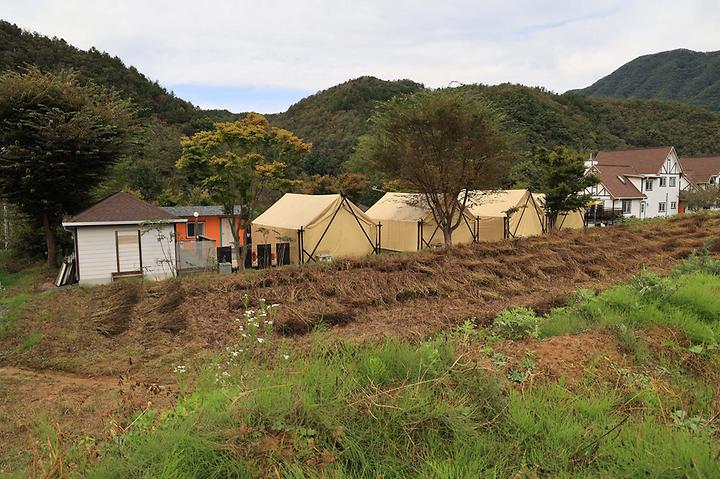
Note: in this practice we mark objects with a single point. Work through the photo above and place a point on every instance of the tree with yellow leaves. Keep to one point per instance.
(236, 163)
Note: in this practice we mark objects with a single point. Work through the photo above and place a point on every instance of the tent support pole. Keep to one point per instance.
(326, 230)
(300, 247)
(521, 216)
(537, 212)
(419, 235)
(467, 223)
(427, 243)
(345, 201)
(379, 238)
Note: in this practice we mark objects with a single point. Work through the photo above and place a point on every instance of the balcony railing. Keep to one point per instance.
(598, 216)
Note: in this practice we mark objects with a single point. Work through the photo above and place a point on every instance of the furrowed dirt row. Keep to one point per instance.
(125, 327)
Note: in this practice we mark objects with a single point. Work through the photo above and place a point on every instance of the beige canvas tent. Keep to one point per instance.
(301, 228)
(568, 220)
(501, 214)
(407, 224)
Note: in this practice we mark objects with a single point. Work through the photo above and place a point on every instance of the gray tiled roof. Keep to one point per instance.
(188, 211)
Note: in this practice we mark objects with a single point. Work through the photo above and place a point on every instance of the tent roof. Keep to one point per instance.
(494, 203)
(294, 211)
(400, 207)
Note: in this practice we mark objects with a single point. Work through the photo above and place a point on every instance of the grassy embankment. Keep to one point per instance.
(474, 402)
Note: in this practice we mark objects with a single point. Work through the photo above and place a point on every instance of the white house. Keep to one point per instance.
(641, 183)
(123, 236)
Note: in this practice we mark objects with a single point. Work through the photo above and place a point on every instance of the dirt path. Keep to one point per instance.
(55, 379)
(72, 405)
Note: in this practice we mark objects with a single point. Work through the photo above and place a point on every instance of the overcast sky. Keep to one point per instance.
(264, 55)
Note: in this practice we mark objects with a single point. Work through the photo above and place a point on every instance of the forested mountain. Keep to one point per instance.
(534, 117)
(332, 119)
(682, 75)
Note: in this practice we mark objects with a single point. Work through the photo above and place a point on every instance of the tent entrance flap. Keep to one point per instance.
(344, 203)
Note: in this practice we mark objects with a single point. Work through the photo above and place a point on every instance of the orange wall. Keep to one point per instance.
(212, 229)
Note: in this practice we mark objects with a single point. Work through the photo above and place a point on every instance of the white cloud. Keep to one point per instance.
(312, 44)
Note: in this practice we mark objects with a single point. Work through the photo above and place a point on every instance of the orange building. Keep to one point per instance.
(210, 223)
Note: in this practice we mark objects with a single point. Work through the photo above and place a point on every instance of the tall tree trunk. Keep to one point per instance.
(49, 230)
(447, 235)
(552, 221)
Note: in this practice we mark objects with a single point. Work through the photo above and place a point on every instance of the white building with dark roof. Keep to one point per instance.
(640, 183)
(123, 236)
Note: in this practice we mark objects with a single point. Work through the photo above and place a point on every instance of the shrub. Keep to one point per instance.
(517, 324)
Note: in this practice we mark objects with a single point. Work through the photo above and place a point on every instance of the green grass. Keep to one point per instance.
(401, 410)
(689, 302)
(10, 309)
(29, 340)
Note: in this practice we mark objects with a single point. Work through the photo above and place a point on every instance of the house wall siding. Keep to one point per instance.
(667, 194)
(97, 258)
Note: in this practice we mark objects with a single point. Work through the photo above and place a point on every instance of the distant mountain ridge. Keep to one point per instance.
(680, 75)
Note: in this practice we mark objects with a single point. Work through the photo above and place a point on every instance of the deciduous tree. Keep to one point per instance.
(701, 198)
(236, 163)
(442, 144)
(57, 139)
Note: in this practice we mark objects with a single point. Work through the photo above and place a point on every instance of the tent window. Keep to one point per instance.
(282, 253)
(264, 255)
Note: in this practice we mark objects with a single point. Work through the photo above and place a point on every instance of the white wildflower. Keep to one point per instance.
(286, 356)
(260, 340)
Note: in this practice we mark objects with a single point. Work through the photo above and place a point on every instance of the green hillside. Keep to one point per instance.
(332, 119)
(19, 48)
(682, 75)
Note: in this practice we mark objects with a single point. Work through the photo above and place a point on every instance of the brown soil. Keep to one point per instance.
(72, 405)
(569, 357)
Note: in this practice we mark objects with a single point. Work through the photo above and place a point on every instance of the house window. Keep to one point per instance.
(626, 206)
(642, 208)
(661, 207)
(195, 229)
(673, 205)
(648, 184)
(673, 182)
(663, 181)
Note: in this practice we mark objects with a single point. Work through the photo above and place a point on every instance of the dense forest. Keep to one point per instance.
(682, 75)
(333, 119)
